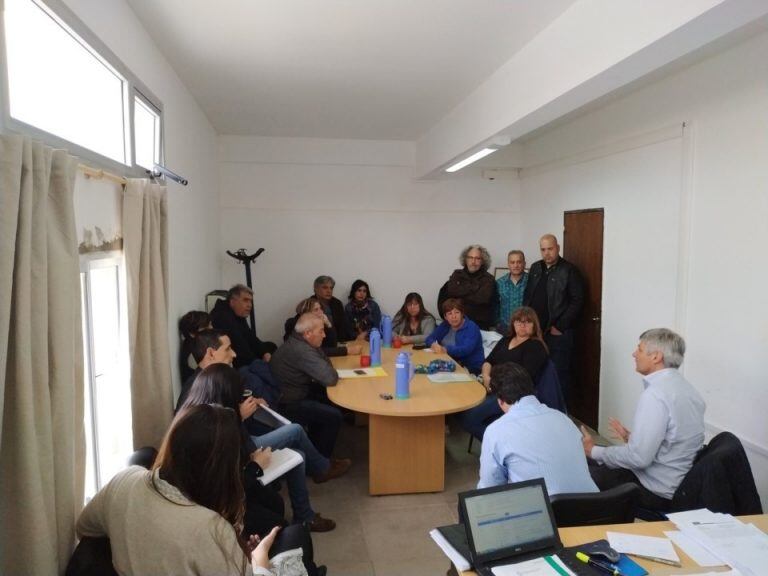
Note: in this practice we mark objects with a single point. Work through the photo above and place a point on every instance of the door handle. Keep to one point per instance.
(596, 319)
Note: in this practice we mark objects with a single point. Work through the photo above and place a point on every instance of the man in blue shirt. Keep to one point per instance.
(511, 288)
(531, 440)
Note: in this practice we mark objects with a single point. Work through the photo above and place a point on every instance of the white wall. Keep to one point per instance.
(351, 210)
(712, 287)
(190, 150)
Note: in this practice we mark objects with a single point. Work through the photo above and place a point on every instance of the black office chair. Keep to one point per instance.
(93, 556)
(614, 506)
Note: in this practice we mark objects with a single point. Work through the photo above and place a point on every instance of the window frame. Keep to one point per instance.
(132, 87)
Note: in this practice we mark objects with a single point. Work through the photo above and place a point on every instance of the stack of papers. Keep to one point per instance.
(648, 547)
(281, 462)
(443, 377)
(742, 546)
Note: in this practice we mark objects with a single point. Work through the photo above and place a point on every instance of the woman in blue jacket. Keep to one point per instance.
(458, 337)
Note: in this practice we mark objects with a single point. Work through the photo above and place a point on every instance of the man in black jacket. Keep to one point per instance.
(230, 315)
(556, 291)
(474, 286)
(332, 307)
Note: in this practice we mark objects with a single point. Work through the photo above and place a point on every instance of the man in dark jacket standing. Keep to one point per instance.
(474, 286)
(556, 291)
(230, 315)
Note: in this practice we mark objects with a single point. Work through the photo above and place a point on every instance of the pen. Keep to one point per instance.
(609, 568)
(659, 560)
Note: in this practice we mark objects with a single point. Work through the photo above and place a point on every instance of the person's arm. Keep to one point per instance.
(466, 340)
(575, 295)
(651, 420)
(92, 521)
(317, 366)
(486, 373)
(426, 328)
(492, 471)
(437, 334)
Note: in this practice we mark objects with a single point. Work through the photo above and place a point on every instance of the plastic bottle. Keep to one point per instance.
(402, 376)
(386, 331)
(375, 347)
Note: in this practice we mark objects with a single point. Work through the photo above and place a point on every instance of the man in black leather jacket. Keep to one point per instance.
(556, 291)
(474, 286)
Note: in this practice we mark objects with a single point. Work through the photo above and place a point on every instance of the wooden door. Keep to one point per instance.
(583, 246)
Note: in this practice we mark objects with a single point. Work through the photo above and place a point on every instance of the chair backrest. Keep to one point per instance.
(548, 389)
(614, 506)
(720, 479)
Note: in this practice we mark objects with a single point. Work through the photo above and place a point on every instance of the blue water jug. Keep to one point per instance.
(375, 340)
(402, 376)
(386, 331)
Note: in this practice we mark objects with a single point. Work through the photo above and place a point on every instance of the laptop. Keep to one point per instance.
(508, 524)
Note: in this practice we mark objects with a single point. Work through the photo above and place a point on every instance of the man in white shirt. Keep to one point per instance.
(668, 426)
(531, 440)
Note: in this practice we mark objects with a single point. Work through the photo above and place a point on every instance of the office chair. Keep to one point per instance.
(93, 556)
(614, 506)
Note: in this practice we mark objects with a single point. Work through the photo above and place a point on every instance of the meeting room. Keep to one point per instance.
(383, 288)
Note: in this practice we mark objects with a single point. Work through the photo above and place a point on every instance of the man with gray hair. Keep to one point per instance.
(332, 307)
(668, 426)
(474, 286)
(304, 371)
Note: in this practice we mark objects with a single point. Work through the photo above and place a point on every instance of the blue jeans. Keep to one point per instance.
(476, 420)
(290, 436)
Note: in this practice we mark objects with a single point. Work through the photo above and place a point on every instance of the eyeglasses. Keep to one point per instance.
(523, 321)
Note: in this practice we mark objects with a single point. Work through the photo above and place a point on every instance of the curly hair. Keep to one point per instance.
(484, 254)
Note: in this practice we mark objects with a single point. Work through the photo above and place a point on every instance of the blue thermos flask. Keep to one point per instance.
(375, 341)
(402, 376)
(386, 331)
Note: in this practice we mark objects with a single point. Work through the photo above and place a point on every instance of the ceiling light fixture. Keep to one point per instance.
(488, 148)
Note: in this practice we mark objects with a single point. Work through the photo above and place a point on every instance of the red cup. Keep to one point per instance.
(396, 342)
(365, 361)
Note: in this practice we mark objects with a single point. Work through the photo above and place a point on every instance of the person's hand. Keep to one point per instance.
(266, 357)
(262, 457)
(406, 339)
(354, 349)
(587, 441)
(437, 348)
(554, 331)
(261, 402)
(248, 407)
(260, 554)
(251, 543)
(618, 429)
(326, 322)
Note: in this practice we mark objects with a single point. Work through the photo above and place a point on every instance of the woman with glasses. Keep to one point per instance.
(185, 515)
(525, 346)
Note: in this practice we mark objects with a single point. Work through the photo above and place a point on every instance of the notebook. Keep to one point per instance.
(508, 524)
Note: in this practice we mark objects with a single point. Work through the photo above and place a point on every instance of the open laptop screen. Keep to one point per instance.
(509, 520)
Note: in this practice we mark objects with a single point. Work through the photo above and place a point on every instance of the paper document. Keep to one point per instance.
(461, 563)
(645, 546)
(696, 551)
(361, 372)
(443, 377)
(281, 462)
(546, 566)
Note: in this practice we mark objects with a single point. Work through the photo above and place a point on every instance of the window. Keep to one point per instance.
(68, 89)
(109, 439)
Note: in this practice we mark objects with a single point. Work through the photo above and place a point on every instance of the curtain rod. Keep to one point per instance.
(99, 174)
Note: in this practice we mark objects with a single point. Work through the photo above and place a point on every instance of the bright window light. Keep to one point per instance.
(474, 158)
(146, 122)
(58, 84)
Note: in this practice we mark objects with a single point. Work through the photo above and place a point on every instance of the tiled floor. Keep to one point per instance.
(387, 535)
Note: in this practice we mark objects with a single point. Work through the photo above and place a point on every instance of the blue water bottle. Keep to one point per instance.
(375, 340)
(386, 331)
(402, 376)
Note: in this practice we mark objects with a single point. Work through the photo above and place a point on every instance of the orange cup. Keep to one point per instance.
(365, 361)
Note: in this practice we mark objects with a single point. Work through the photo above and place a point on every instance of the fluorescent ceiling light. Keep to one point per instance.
(474, 158)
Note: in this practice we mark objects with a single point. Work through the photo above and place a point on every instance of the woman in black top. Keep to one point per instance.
(525, 348)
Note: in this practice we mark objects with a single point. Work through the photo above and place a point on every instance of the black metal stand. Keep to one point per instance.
(247, 259)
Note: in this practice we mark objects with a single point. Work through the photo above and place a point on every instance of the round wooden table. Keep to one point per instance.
(406, 438)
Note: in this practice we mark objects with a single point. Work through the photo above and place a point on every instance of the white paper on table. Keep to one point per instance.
(700, 516)
(443, 377)
(535, 567)
(728, 573)
(696, 551)
(743, 546)
(461, 563)
(649, 546)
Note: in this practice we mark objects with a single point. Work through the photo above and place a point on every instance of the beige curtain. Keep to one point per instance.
(42, 446)
(145, 244)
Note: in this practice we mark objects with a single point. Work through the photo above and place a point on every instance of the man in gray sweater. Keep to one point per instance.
(303, 371)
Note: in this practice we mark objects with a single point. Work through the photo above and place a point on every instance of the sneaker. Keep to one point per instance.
(338, 467)
(320, 524)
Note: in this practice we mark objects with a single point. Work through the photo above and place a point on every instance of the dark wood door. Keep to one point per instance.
(583, 246)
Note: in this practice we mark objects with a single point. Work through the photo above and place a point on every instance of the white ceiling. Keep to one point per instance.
(368, 69)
